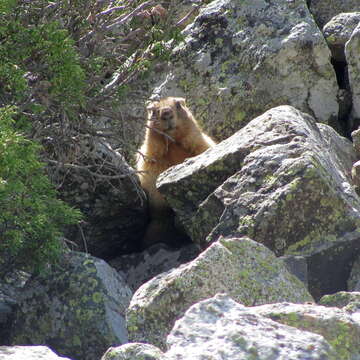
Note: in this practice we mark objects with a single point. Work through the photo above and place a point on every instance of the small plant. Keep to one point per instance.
(31, 217)
(63, 65)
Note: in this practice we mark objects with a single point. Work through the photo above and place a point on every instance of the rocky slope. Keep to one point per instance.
(272, 210)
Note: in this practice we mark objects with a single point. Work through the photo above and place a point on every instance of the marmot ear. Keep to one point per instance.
(179, 102)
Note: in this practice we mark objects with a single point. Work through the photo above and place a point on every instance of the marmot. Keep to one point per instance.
(172, 135)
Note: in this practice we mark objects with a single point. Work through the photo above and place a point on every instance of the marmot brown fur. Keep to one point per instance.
(172, 135)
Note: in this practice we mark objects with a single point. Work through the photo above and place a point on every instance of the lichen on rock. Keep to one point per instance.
(134, 351)
(82, 303)
(240, 59)
(352, 53)
(282, 180)
(220, 328)
(244, 269)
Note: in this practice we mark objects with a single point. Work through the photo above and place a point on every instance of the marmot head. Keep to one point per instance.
(166, 114)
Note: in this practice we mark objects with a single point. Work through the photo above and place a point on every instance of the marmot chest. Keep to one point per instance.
(176, 154)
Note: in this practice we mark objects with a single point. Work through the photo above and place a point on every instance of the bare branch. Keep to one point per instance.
(86, 168)
(187, 16)
(161, 133)
(111, 10)
(122, 19)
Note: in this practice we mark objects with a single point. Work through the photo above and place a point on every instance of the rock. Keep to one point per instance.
(28, 353)
(324, 10)
(201, 186)
(354, 279)
(220, 328)
(282, 180)
(10, 289)
(352, 53)
(345, 103)
(138, 268)
(355, 135)
(6, 314)
(338, 31)
(134, 351)
(339, 328)
(342, 299)
(355, 174)
(342, 149)
(82, 303)
(7, 309)
(355, 171)
(107, 191)
(297, 265)
(242, 58)
(246, 270)
(184, 12)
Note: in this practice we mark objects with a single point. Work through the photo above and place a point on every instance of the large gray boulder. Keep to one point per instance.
(7, 309)
(221, 329)
(138, 268)
(338, 31)
(240, 58)
(11, 287)
(342, 299)
(324, 10)
(355, 136)
(340, 328)
(106, 189)
(282, 180)
(82, 303)
(354, 279)
(28, 353)
(246, 270)
(352, 53)
(134, 351)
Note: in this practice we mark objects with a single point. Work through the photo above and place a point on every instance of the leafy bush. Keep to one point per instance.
(38, 54)
(31, 217)
(62, 65)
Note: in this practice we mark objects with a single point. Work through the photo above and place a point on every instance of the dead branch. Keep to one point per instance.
(187, 16)
(123, 19)
(168, 137)
(111, 10)
(86, 168)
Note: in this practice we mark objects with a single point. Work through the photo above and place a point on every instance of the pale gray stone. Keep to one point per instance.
(138, 268)
(115, 210)
(340, 328)
(338, 31)
(246, 270)
(82, 302)
(134, 351)
(352, 52)
(349, 300)
(355, 173)
(28, 353)
(355, 135)
(284, 181)
(354, 279)
(242, 58)
(221, 329)
(324, 10)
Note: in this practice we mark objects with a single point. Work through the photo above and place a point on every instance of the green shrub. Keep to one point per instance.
(45, 51)
(31, 217)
